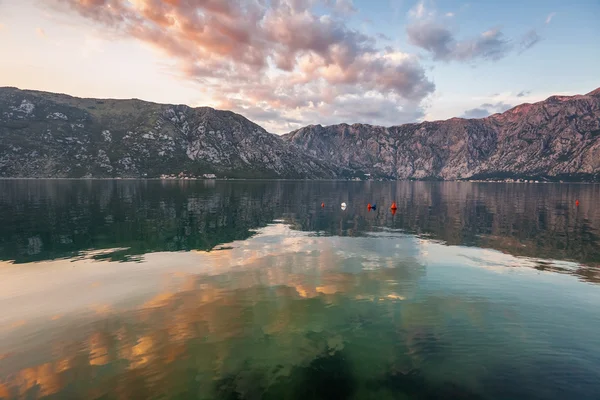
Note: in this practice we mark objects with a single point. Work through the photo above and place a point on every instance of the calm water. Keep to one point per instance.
(251, 290)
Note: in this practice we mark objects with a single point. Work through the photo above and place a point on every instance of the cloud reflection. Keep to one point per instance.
(261, 312)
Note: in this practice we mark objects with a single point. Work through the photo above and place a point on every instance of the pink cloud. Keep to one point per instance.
(278, 56)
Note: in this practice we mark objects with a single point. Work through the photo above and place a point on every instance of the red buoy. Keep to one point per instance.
(394, 207)
(577, 203)
(369, 206)
(322, 205)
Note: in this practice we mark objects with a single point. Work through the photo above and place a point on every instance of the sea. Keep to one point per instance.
(177, 289)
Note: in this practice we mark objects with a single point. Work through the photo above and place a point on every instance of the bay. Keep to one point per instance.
(268, 289)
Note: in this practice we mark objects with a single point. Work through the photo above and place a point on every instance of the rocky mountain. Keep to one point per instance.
(558, 138)
(54, 135)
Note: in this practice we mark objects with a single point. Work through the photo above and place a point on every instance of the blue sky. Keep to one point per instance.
(289, 63)
(564, 60)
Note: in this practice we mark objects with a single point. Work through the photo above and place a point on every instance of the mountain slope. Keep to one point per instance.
(555, 138)
(53, 135)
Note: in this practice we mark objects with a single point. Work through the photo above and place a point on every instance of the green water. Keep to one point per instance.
(252, 290)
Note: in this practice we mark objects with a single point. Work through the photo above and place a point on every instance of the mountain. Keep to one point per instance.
(558, 138)
(54, 135)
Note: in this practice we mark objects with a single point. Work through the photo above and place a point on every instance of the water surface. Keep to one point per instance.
(252, 290)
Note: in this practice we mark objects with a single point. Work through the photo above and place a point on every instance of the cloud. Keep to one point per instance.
(497, 107)
(383, 37)
(429, 31)
(41, 33)
(441, 43)
(279, 55)
(356, 108)
(529, 40)
(486, 109)
(476, 113)
(549, 17)
(342, 6)
(361, 108)
(418, 11)
(523, 93)
(421, 11)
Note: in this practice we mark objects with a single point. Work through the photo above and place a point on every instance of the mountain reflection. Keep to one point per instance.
(287, 314)
(239, 318)
(45, 220)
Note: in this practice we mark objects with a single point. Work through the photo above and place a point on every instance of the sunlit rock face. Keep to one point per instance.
(555, 138)
(53, 135)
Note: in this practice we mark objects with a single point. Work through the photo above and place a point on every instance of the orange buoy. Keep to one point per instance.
(322, 205)
(394, 207)
(369, 206)
(577, 203)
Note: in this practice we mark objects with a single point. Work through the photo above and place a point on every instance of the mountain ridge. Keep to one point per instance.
(595, 92)
(67, 136)
(48, 134)
(554, 139)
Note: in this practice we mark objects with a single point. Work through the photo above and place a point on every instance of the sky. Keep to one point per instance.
(285, 64)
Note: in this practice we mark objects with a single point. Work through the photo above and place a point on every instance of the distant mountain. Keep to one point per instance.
(558, 138)
(54, 135)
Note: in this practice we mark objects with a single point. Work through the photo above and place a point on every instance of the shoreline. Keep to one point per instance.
(538, 182)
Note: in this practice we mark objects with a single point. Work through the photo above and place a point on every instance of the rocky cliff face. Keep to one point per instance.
(558, 138)
(52, 135)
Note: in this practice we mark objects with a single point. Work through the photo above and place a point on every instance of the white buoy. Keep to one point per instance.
(343, 206)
